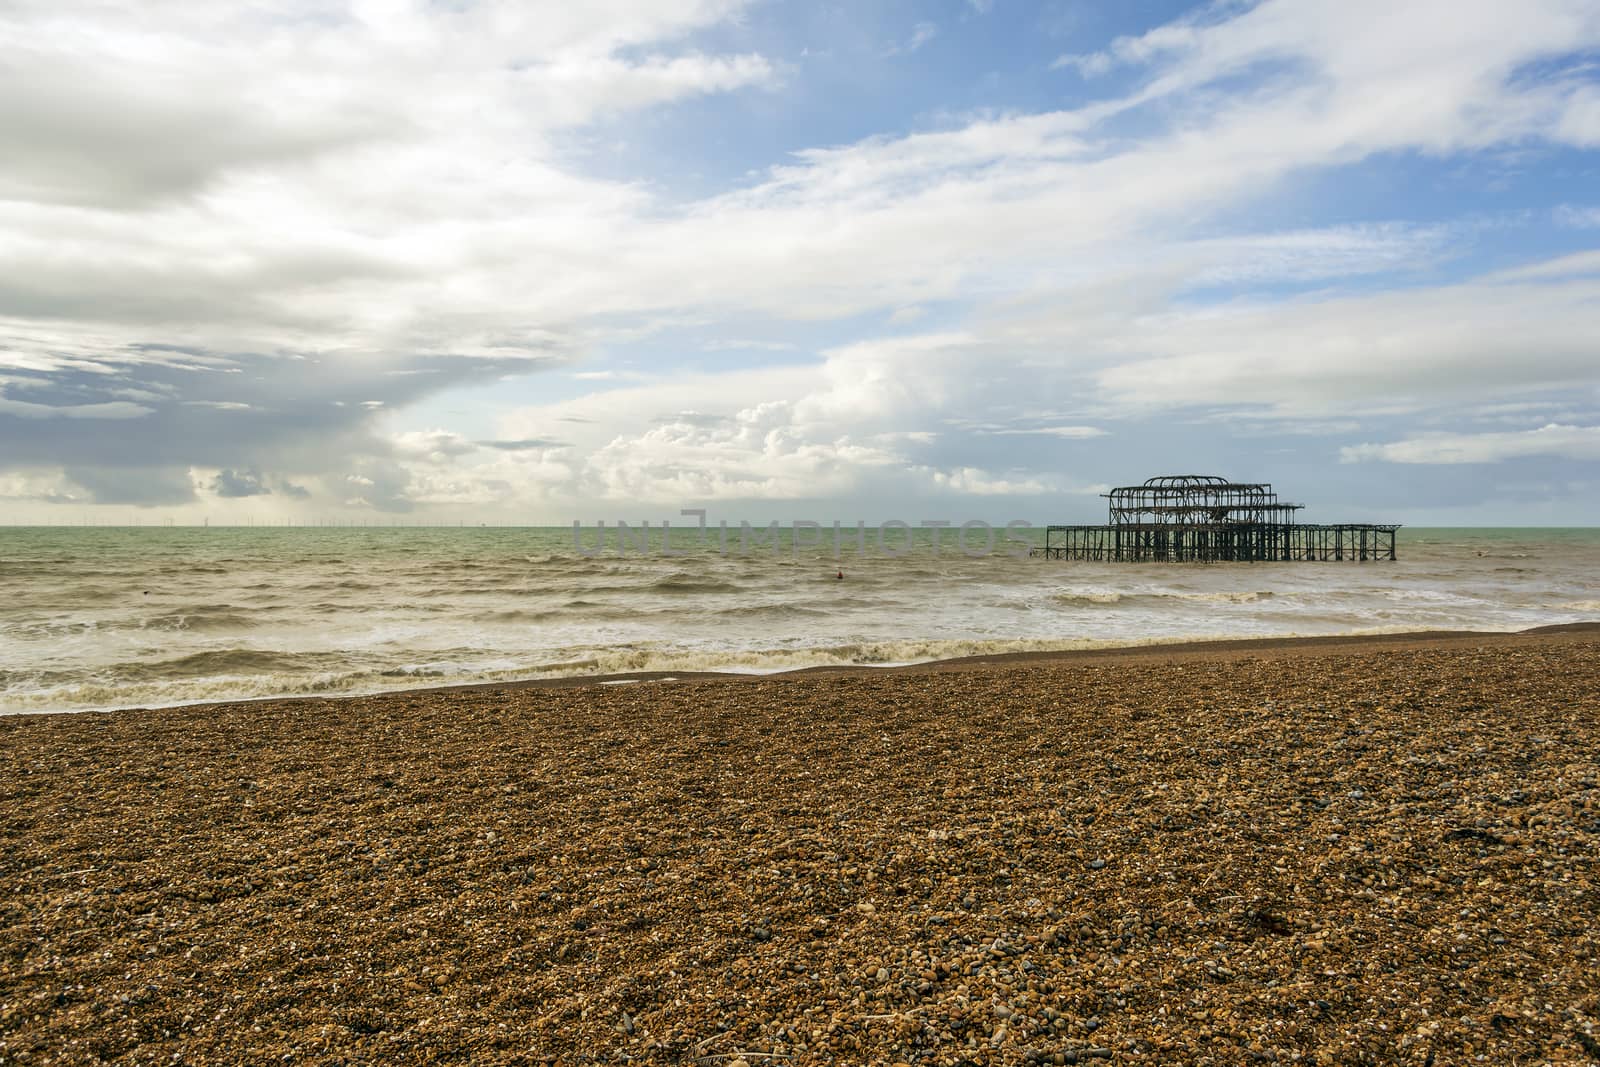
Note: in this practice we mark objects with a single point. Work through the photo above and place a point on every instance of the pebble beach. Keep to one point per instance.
(1322, 852)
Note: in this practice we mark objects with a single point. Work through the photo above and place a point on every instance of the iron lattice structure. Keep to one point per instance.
(1202, 517)
(1197, 500)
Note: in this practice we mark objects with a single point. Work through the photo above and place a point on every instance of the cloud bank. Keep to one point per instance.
(251, 252)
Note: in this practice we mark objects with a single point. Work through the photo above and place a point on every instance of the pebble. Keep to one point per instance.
(682, 874)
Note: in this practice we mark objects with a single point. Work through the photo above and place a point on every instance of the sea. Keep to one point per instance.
(106, 617)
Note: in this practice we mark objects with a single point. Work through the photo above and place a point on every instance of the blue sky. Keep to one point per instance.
(496, 261)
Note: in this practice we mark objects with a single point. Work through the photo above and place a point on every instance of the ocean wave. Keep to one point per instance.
(93, 695)
(1089, 598)
(326, 612)
(214, 619)
(517, 615)
(1102, 598)
(33, 628)
(682, 582)
(772, 611)
(95, 594)
(246, 674)
(1250, 596)
(226, 661)
(199, 619)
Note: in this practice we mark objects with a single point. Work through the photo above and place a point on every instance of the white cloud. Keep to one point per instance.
(1580, 121)
(431, 446)
(1569, 266)
(921, 34)
(755, 455)
(1091, 65)
(1571, 442)
(975, 482)
(1577, 217)
(734, 344)
(449, 222)
(581, 88)
(47, 487)
(1398, 351)
(1071, 433)
(909, 314)
(317, 179)
(1451, 63)
(405, 180)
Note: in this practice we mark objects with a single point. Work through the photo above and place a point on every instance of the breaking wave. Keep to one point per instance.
(100, 619)
(1105, 598)
(247, 675)
(685, 582)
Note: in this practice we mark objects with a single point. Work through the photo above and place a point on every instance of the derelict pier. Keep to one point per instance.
(1204, 518)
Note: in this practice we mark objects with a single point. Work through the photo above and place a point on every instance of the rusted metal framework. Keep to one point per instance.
(1204, 518)
(1197, 500)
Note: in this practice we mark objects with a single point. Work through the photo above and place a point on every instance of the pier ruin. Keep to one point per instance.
(1204, 518)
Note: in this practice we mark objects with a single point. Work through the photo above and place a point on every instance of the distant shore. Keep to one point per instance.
(1339, 850)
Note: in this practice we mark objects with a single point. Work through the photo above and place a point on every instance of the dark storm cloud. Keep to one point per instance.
(140, 486)
(257, 417)
(232, 483)
(380, 484)
(527, 444)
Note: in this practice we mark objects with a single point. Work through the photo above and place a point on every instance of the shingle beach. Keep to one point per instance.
(1367, 852)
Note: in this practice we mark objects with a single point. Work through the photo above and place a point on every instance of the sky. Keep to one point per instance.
(515, 261)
